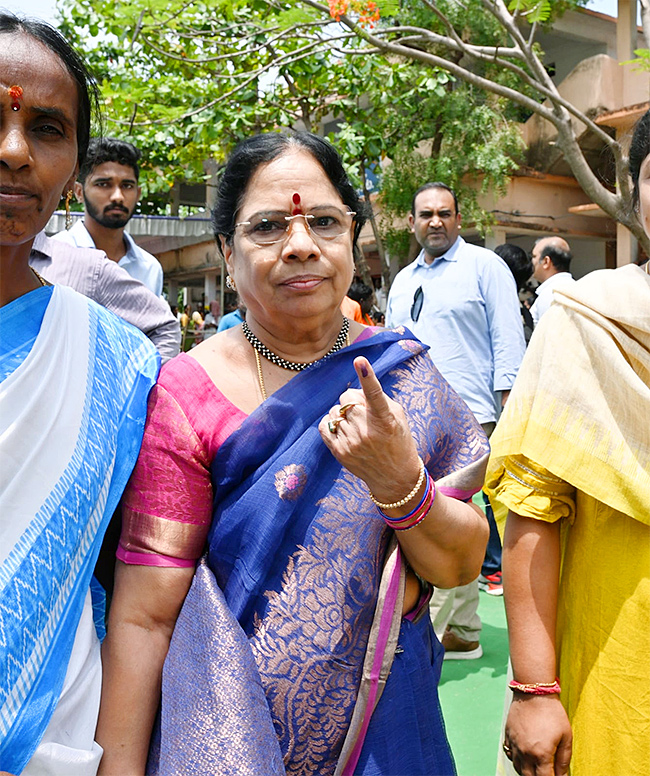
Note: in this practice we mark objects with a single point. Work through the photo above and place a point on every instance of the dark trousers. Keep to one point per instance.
(492, 560)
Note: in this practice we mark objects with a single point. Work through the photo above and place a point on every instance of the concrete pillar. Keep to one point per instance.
(172, 291)
(627, 246)
(626, 33)
(496, 237)
(211, 169)
(210, 286)
(175, 199)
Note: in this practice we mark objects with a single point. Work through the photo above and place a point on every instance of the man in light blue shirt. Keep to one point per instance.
(108, 187)
(462, 301)
(466, 310)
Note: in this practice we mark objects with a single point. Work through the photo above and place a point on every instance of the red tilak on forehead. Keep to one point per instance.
(296, 201)
(15, 92)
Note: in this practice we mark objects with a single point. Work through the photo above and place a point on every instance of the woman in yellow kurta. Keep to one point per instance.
(571, 460)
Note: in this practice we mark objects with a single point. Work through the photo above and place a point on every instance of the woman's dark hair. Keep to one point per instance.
(87, 91)
(517, 260)
(639, 149)
(264, 148)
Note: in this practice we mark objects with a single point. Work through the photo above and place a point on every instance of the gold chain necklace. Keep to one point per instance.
(40, 278)
(260, 375)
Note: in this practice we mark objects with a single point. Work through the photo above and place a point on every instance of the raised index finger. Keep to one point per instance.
(371, 387)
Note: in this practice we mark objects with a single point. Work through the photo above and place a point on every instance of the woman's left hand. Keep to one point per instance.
(372, 438)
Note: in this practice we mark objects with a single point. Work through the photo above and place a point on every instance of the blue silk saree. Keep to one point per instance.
(290, 654)
(74, 381)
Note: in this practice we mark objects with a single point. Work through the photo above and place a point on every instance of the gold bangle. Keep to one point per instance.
(406, 498)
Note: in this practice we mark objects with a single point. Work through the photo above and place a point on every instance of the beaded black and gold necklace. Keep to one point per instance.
(294, 366)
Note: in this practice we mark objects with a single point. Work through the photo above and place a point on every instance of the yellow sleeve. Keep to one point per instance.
(530, 490)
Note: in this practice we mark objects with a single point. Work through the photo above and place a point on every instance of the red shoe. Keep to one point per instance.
(492, 583)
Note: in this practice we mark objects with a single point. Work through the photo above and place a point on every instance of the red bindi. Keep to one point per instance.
(296, 201)
(15, 92)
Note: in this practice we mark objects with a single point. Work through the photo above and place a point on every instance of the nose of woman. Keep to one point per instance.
(300, 242)
(14, 148)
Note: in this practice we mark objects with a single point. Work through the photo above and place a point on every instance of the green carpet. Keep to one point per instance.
(472, 694)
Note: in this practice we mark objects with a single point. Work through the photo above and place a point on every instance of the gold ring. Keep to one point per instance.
(333, 425)
(345, 408)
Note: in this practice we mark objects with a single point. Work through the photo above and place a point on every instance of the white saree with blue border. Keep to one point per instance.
(74, 381)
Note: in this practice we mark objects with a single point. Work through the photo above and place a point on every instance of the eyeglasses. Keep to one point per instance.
(416, 307)
(323, 223)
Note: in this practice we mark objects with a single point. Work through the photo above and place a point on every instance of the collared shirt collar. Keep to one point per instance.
(131, 249)
(40, 244)
(451, 255)
(84, 239)
(82, 236)
(550, 282)
(130, 242)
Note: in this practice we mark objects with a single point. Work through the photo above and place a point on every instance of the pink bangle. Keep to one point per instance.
(536, 688)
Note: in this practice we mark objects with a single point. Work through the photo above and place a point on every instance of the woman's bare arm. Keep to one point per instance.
(447, 548)
(537, 730)
(144, 609)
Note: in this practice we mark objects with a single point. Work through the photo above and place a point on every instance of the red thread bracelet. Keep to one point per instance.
(536, 688)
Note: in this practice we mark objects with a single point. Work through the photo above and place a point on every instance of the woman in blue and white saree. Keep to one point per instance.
(74, 381)
(304, 644)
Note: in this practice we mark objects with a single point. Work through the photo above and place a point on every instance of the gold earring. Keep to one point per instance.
(68, 214)
(230, 283)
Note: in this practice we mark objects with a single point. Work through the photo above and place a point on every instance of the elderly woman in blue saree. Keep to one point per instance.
(303, 482)
(74, 381)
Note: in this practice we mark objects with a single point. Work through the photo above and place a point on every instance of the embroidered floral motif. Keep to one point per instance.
(290, 481)
(412, 346)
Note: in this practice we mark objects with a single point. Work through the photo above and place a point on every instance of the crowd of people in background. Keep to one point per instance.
(279, 535)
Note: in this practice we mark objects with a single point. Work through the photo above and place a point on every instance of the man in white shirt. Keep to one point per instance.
(551, 260)
(108, 187)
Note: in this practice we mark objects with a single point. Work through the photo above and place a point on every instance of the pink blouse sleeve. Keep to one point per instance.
(167, 505)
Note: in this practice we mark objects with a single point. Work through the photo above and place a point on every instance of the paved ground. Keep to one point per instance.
(472, 693)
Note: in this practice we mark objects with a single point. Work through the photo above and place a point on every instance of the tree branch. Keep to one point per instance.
(220, 57)
(308, 50)
(559, 115)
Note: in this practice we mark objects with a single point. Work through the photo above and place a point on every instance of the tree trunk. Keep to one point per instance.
(385, 266)
(645, 20)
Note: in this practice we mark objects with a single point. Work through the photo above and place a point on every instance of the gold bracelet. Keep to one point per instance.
(406, 498)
